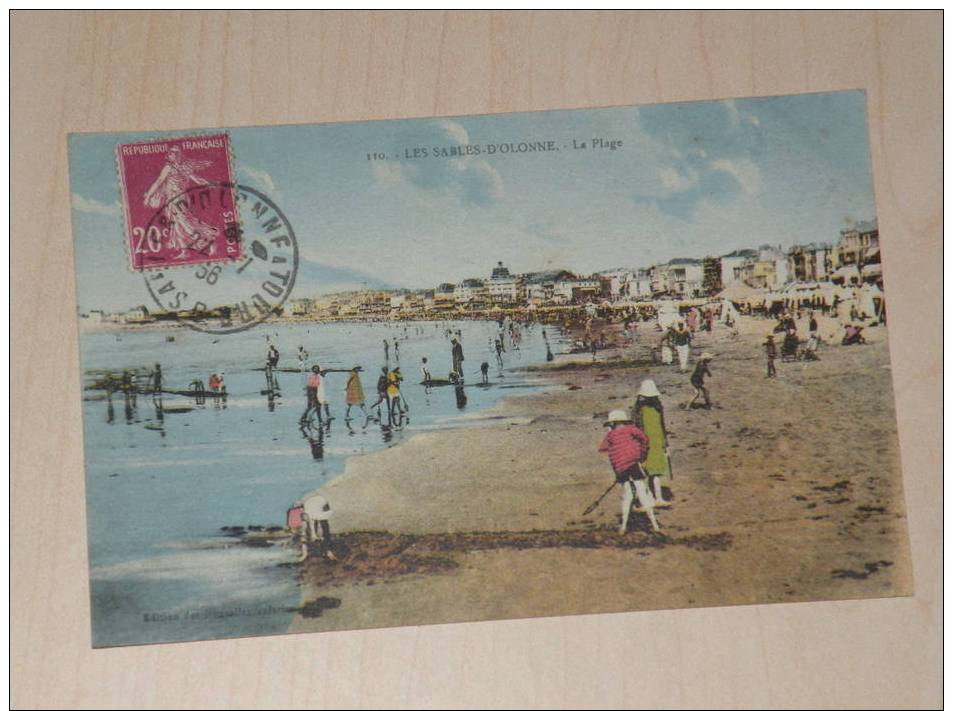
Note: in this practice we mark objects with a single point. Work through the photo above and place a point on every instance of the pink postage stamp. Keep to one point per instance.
(179, 201)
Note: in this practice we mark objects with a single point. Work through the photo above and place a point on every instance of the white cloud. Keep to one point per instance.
(733, 112)
(744, 171)
(93, 207)
(737, 116)
(387, 172)
(471, 180)
(261, 178)
(455, 131)
(678, 180)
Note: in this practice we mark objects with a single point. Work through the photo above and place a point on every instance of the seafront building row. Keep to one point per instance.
(853, 261)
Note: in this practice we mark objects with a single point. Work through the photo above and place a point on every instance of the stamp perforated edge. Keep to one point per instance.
(123, 195)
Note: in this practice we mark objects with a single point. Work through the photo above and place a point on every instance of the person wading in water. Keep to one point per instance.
(354, 393)
(457, 356)
(381, 392)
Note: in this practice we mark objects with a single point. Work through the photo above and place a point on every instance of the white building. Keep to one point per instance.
(641, 286)
(503, 287)
(539, 286)
(569, 290)
(681, 276)
(731, 262)
(470, 290)
(136, 315)
(302, 307)
(620, 282)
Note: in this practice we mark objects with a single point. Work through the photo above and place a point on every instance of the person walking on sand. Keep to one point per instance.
(698, 380)
(666, 346)
(354, 393)
(626, 446)
(386, 350)
(692, 319)
(771, 349)
(682, 340)
(484, 371)
(273, 356)
(650, 417)
(303, 356)
(425, 371)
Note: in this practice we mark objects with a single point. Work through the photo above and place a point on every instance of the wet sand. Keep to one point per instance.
(789, 489)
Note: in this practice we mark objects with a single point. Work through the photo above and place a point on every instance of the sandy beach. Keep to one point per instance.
(787, 490)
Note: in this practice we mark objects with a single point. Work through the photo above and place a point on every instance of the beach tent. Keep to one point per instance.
(667, 313)
(738, 292)
(728, 310)
(869, 298)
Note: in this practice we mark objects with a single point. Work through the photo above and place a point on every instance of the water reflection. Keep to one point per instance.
(128, 386)
(272, 389)
(315, 432)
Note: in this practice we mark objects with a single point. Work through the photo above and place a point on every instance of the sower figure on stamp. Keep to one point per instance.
(186, 230)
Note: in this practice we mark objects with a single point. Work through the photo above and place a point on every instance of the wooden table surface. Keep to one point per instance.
(138, 71)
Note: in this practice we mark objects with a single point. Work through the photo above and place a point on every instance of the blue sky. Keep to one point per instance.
(691, 179)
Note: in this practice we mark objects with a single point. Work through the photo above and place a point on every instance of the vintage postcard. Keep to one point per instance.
(422, 371)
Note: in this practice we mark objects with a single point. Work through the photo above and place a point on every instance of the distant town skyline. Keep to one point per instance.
(689, 180)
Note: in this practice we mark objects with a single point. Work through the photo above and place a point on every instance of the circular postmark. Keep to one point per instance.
(229, 292)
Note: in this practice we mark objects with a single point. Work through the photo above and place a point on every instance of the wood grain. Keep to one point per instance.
(136, 71)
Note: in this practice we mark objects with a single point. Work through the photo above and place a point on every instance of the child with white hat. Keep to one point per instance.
(626, 446)
(650, 415)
